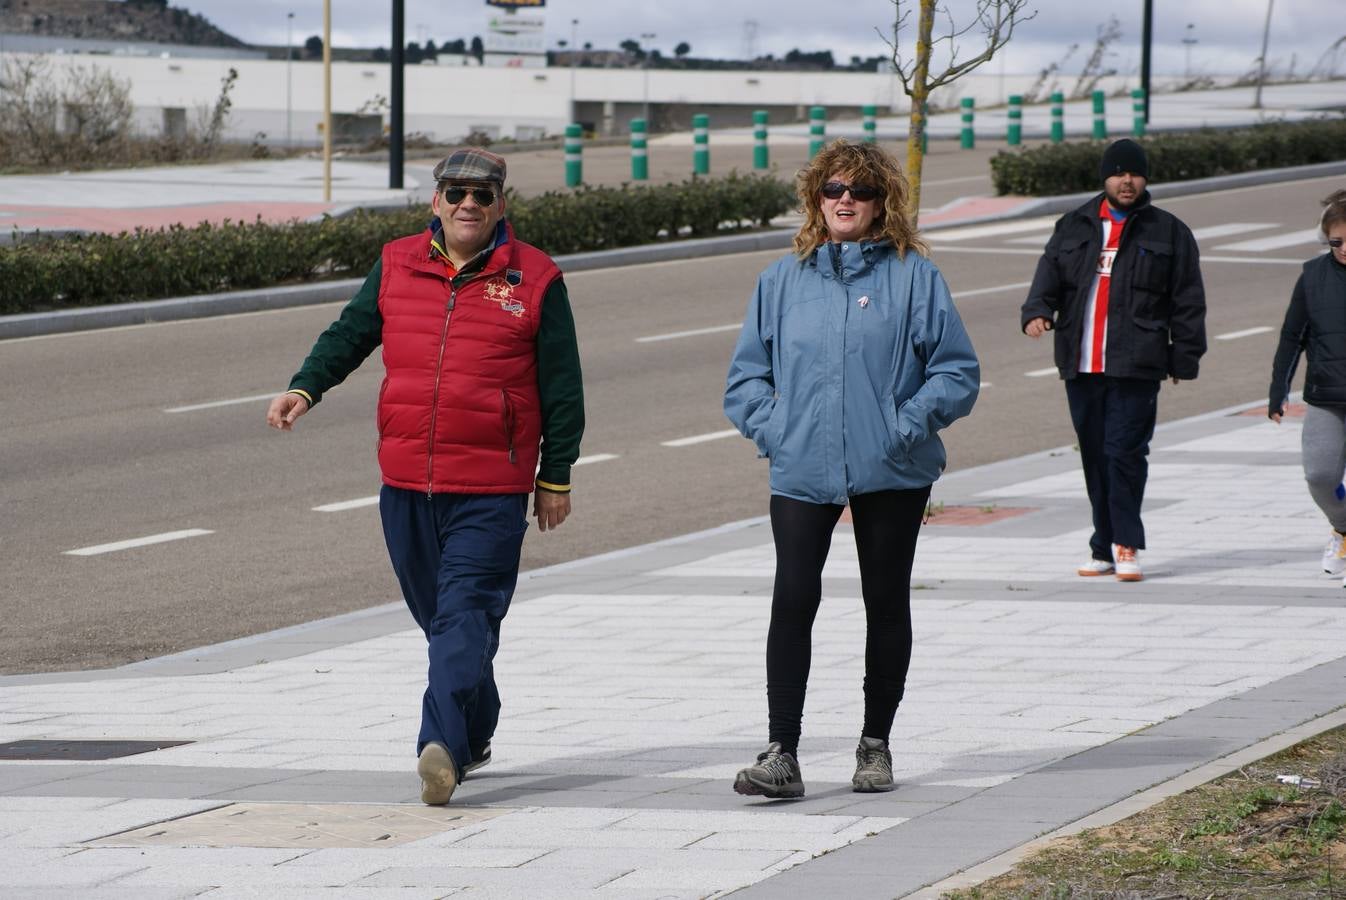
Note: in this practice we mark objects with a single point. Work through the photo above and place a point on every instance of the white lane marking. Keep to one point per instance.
(1041, 373)
(138, 542)
(344, 505)
(1036, 240)
(1247, 332)
(682, 334)
(215, 403)
(700, 438)
(1262, 260)
(1018, 285)
(1229, 228)
(595, 458)
(986, 384)
(1015, 226)
(1276, 241)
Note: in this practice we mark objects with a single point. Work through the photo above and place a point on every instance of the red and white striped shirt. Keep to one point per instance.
(1094, 335)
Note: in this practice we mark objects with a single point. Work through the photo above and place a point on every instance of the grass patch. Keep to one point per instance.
(1245, 835)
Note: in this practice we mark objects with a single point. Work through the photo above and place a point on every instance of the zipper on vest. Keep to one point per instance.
(507, 415)
(434, 399)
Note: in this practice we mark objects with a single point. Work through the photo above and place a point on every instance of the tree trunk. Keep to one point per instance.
(920, 91)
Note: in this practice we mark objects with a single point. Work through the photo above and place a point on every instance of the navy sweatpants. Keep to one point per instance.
(457, 559)
(1114, 421)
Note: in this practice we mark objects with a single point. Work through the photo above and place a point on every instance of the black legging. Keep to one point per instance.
(886, 524)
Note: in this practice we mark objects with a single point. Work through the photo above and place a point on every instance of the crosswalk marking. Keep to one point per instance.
(1225, 230)
(1276, 241)
(970, 232)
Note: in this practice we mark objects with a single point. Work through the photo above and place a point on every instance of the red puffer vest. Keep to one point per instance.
(459, 410)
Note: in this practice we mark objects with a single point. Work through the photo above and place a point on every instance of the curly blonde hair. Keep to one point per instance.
(1334, 211)
(858, 164)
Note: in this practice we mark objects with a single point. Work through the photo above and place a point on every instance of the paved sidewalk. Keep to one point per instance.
(633, 688)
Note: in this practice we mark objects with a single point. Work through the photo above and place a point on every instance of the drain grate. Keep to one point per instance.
(80, 750)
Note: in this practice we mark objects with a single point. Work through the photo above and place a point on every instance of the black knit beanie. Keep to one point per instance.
(1124, 156)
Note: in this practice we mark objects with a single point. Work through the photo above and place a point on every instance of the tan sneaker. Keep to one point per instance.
(1127, 565)
(438, 774)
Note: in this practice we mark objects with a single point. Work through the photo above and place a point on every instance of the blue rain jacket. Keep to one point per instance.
(848, 365)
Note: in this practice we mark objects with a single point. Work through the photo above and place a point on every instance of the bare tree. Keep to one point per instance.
(995, 19)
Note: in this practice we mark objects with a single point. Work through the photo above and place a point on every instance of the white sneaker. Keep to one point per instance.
(1095, 567)
(1128, 566)
(1334, 555)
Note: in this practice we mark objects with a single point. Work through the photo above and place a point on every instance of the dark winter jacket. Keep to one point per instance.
(1157, 305)
(1315, 324)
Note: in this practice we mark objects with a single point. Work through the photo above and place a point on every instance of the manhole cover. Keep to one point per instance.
(304, 825)
(80, 750)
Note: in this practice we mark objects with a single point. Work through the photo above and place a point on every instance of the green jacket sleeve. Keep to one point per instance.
(344, 345)
(560, 389)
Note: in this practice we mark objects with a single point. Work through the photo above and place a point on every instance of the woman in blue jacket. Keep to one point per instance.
(851, 359)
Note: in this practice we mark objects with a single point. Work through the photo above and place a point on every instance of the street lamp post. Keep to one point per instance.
(289, 59)
(574, 51)
(1187, 43)
(647, 36)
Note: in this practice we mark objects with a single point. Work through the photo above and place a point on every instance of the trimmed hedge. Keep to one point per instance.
(39, 274)
(1071, 168)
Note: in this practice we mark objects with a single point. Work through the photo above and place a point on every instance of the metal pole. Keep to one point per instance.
(326, 101)
(574, 52)
(647, 36)
(1147, 36)
(289, 59)
(396, 104)
(1262, 62)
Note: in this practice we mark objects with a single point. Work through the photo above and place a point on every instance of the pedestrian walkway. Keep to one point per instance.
(633, 688)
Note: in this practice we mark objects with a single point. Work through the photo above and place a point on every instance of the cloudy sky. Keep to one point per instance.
(1228, 33)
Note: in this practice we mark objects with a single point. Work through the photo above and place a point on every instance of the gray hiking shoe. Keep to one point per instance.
(775, 776)
(873, 767)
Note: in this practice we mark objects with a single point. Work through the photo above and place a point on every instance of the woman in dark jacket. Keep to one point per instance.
(1315, 324)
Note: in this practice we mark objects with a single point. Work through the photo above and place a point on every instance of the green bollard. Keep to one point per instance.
(1058, 117)
(870, 126)
(700, 144)
(967, 140)
(817, 130)
(574, 147)
(1100, 116)
(640, 154)
(761, 158)
(1015, 134)
(1138, 112)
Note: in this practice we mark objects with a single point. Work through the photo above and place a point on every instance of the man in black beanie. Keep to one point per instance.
(1120, 284)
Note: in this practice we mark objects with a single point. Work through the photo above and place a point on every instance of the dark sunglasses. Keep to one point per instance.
(835, 190)
(483, 195)
(1335, 243)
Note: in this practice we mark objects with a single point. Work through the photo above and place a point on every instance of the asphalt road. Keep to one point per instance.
(92, 455)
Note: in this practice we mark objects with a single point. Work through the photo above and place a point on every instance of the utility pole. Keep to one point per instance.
(289, 59)
(326, 101)
(574, 52)
(1262, 62)
(395, 99)
(1146, 38)
(647, 36)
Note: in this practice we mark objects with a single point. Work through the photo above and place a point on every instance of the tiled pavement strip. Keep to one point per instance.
(633, 685)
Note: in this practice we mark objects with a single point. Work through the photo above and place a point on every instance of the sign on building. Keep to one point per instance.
(515, 33)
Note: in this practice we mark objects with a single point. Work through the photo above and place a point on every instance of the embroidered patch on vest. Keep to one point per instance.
(514, 277)
(502, 291)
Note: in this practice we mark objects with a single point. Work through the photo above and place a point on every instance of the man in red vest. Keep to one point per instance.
(481, 405)
(1120, 284)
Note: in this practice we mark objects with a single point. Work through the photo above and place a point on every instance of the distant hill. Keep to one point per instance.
(150, 21)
